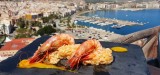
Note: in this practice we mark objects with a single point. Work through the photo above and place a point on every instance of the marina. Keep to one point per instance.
(106, 21)
(133, 22)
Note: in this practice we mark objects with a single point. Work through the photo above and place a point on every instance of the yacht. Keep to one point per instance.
(117, 26)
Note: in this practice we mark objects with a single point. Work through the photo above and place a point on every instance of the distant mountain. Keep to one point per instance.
(91, 1)
(95, 1)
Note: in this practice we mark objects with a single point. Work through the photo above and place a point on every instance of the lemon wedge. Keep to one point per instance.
(119, 49)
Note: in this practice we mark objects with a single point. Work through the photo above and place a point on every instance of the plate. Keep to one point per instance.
(129, 63)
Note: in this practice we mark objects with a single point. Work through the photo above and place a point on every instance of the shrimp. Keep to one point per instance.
(51, 45)
(83, 51)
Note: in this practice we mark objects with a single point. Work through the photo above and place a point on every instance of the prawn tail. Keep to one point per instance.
(73, 62)
(34, 59)
(88, 57)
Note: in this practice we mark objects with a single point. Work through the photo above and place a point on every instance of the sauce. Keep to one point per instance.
(119, 49)
(25, 64)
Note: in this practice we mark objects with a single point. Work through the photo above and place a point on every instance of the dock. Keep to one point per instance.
(107, 21)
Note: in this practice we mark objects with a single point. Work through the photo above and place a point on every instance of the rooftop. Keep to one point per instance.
(16, 44)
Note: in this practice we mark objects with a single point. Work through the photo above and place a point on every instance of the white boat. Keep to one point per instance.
(85, 21)
(75, 22)
(99, 24)
(103, 24)
(93, 22)
(117, 26)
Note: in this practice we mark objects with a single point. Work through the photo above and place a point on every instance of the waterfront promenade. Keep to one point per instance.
(92, 33)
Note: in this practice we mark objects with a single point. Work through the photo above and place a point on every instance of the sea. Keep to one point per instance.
(149, 17)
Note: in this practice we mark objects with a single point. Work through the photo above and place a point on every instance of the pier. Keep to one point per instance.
(107, 21)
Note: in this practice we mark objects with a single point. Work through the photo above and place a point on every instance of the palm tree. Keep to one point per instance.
(4, 28)
(68, 21)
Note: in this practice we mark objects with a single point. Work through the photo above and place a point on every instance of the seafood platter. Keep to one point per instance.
(61, 54)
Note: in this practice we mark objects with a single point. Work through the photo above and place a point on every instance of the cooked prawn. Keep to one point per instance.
(83, 51)
(52, 44)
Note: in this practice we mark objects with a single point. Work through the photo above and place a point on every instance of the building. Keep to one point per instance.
(33, 16)
(140, 5)
(129, 5)
(57, 23)
(10, 48)
(92, 7)
(5, 26)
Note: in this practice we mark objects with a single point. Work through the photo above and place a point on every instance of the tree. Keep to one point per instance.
(4, 28)
(46, 30)
(36, 23)
(21, 30)
(54, 16)
(21, 23)
(68, 21)
(22, 36)
(45, 19)
(24, 33)
(73, 25)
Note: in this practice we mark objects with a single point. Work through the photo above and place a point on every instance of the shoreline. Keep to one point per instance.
(92, 33)
(86, 32)
(98, 28)
(86, 11)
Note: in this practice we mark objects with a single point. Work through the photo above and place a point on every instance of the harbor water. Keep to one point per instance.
(149, 17)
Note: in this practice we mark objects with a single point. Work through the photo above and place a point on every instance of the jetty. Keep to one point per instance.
(107, 21)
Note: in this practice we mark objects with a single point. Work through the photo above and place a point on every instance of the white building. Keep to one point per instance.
(93, 7)
(140, 5)
(46, 14)
(101, 5)
(57, 23)
(155, 5)
(5, 26)
(151, 5)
